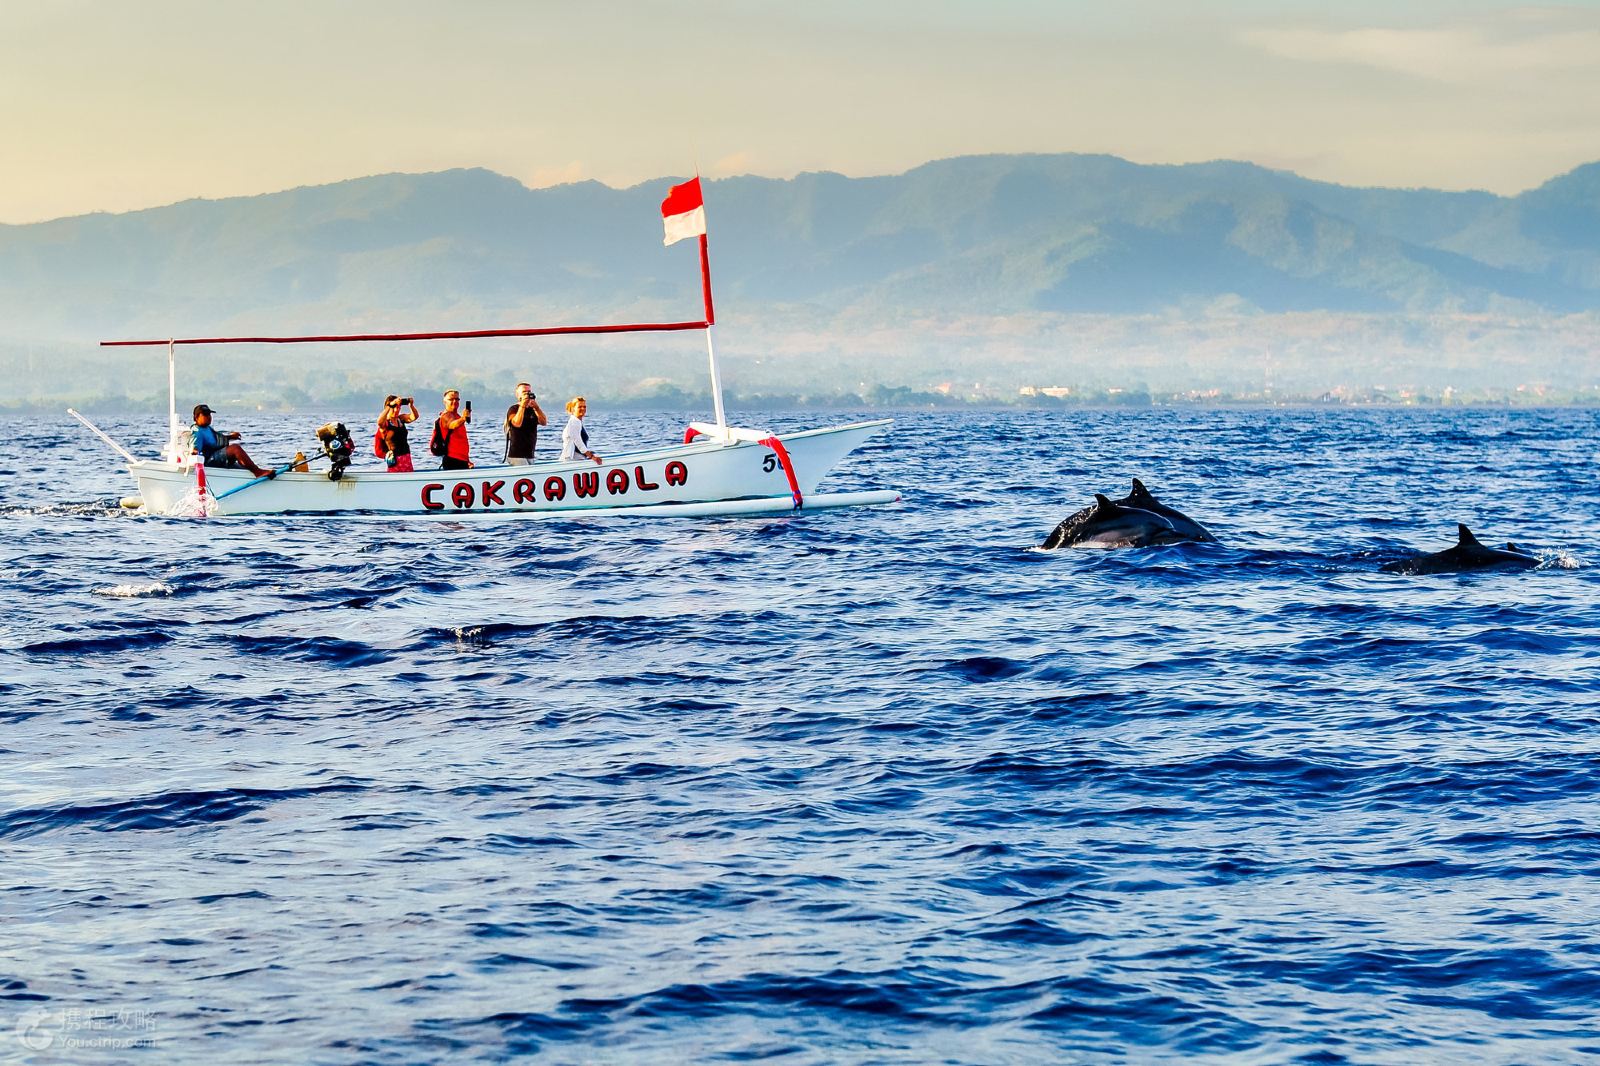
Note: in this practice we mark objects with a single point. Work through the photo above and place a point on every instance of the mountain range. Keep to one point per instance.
(971, 238)
(974, 235)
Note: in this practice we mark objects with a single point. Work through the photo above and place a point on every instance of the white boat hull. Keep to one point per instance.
(703, 478)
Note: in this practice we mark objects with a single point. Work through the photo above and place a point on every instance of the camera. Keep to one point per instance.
(469, 408)
(337, 446)
(406, 401)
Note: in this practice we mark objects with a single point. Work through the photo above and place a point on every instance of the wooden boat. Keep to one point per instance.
(724, 475)
(717, 469)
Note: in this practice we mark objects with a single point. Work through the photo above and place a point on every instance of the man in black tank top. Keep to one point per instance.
(523, 420)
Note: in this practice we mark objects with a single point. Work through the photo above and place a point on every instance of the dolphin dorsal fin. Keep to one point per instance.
(1464, 537)
(1139, 489)
(1103, 504)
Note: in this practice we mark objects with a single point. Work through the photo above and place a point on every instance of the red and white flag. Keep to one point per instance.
(684, 211)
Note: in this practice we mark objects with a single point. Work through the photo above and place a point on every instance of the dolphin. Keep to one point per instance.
(1111, 525)
(1140, 497)
(1468, 554)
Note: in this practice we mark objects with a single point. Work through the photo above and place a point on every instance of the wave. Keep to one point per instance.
(614, 631)
(132, 591)
(81, 509)
(126, 641)
(165, 810)
(333, 651)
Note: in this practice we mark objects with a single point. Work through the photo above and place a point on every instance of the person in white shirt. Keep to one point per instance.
(575, 439)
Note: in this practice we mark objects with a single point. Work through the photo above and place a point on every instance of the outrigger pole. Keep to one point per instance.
(466, 334)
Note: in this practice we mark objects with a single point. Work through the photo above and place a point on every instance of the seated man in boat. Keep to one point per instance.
(214, 448)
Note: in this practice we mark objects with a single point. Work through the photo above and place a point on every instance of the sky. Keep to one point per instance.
(115, 105)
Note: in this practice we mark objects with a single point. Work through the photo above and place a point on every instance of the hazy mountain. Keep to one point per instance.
(997, 271)
(1552, 232)
(981, 235)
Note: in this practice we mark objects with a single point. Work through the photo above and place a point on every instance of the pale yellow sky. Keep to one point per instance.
(115, 106)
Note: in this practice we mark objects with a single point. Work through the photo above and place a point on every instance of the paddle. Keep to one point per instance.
(292, 463)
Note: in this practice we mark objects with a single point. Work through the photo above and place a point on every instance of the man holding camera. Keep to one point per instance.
(523, 420)
(394, 435)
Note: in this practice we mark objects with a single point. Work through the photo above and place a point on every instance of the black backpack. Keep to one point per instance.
(440, 444)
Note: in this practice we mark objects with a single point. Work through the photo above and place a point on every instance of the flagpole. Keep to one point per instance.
(711, 348)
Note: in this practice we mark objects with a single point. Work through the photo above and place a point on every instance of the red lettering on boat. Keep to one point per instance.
(524, 491)
(586, 483)
(676, 473)
(554, 488)
(617, 481)
(491, 492)
(638, 477)
(427, 496)
(462, 494)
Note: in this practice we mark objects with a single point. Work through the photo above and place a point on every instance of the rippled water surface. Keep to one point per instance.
(861, 786)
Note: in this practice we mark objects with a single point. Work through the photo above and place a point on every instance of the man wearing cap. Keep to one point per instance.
(214, 448)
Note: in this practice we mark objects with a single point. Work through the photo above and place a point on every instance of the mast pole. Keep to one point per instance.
(711, 348)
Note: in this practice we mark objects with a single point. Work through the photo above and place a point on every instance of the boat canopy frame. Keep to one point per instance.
(722, 430)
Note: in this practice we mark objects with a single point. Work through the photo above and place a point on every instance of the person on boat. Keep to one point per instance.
(575, 439)
(523, 420)
(214, 448)
(395, 436)
(450, 434)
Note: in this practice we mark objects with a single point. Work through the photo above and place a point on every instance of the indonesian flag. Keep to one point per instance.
(684, 211)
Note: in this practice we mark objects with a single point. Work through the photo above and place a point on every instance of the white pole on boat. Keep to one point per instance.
(172, 401)
(119, 449)
(711, 349)
(716, 386)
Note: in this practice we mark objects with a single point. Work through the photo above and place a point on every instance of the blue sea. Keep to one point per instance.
(872, 786)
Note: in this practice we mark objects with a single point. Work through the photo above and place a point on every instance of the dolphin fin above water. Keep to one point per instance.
(1468, 554)
(1108, 524)
(1135, 521)
(1142, 498)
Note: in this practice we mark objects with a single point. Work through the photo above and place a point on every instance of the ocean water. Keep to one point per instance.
(883, 785)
